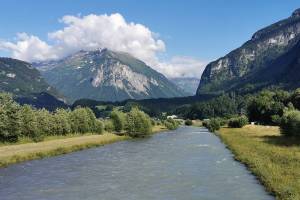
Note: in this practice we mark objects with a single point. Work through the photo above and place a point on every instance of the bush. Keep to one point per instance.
(238, 122)
(171, 124)
(138, 123)
(212, 125)
(188, 122)
(290, 123)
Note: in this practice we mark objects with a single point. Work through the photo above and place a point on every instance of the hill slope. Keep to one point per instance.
(21, 79)
(27, 85)
(258, 63)
(106, 76)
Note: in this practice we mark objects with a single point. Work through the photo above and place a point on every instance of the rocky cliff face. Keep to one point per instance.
(107, 76)
(236, 70)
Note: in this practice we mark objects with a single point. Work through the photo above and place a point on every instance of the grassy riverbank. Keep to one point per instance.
(273, 158)
(56, 145)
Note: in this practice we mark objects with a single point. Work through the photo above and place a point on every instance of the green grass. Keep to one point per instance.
(273, 158)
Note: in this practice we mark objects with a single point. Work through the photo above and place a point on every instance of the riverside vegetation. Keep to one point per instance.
(65, 130)
(270, 150)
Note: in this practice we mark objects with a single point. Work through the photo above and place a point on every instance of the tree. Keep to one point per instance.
(92, 123)
(295, 98)
(138, 124)
(45, 121)
(80, 120)
(10, 119)
(290, 124)
(99, 126)
(118, 120)
(262, 107)
(29, 123)
(61, 123)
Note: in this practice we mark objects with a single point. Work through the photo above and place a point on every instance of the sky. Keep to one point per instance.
(177, 38)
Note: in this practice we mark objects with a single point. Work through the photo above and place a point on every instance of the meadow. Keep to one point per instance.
(273, 158)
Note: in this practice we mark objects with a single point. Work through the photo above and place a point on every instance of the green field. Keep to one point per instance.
(273, 158)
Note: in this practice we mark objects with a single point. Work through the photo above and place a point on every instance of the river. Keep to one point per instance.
(186, 164)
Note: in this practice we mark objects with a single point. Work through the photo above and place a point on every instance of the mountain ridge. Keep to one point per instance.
(106, 75)
(265, 46)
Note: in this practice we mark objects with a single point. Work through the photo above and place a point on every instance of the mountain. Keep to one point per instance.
(265, 60)
(20, 78)
(27, 85)
(187, 84)
(106, 75)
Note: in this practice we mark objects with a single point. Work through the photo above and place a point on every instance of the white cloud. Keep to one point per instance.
(29, 48)
(98, 31)
(180, 66)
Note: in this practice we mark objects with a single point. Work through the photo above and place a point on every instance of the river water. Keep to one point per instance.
(186, 164)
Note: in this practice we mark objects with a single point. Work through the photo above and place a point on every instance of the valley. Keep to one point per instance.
(81, 106)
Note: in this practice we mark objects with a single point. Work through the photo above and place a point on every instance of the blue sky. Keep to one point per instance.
(203, 29)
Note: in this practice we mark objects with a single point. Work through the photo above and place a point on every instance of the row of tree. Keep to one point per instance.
(24, 121)
(18, 121)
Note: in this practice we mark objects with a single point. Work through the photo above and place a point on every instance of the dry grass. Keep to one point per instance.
(20, 152)
(274, 159)
(158, 128)
(197, 123)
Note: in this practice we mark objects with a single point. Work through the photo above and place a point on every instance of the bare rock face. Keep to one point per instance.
(236, 69)
(107, 76)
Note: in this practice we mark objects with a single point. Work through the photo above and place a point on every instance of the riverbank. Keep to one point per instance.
(52, 146)
(274, 159)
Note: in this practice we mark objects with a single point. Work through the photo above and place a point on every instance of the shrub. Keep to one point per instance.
(138, 123)
(212, 125)
(238, 122)
(188, 122)
(171, 124)
(290, 123)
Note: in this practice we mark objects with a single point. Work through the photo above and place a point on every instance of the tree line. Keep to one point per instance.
(267, 107)
(18, 121)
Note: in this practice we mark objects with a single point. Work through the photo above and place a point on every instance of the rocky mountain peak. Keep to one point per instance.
(296, 13)
(240, 65)
(107, 75)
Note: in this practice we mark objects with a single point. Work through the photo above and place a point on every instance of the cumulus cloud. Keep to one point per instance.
(29, 48)
(101, 31)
